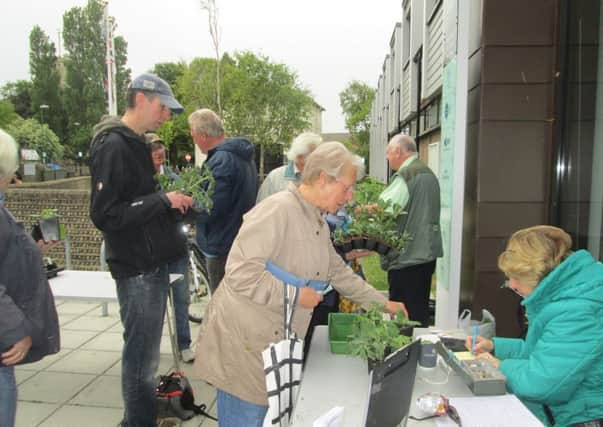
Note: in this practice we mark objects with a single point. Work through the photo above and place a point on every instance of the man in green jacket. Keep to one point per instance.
(415, 188)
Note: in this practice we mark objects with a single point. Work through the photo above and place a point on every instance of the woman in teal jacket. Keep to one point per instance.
(557, 371)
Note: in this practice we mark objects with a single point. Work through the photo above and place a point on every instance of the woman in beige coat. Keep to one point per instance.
(245, 314)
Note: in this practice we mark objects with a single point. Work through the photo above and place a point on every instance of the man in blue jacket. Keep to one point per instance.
(232, 166)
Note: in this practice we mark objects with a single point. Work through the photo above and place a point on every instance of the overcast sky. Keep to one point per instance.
(328, 43)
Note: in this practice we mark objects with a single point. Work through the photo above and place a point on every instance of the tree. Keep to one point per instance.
(260, 99)
(175, 133)
(30, 134)
(45, 81)
(86, 73)
(355, 101)
(265, 102)
(19, 94)
(214, 31)
(123, 74)
(7, 113)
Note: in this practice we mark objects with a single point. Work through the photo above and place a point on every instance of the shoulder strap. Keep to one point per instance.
(200, 410)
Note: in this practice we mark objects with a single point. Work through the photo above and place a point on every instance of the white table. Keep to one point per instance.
(99, 286)
(95, 286)
(337, 380)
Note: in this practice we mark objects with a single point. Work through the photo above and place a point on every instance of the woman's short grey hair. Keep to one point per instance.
(358, 162)
(9, 155)
(303, 145)
(207, 122)
(330, 158)
(406, 143)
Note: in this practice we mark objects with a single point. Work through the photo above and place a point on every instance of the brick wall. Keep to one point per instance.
(25, 203)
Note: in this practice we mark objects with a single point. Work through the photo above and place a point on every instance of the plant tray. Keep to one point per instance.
(340, 329)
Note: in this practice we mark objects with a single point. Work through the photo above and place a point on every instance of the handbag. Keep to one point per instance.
(283, 366)
(175, 398)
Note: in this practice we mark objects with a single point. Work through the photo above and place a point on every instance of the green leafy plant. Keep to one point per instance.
(368, 190)
(375, 337)
(377, 221)
(198, 183)
(48, 213)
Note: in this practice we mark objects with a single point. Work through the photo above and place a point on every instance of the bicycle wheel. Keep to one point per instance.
(199, 286)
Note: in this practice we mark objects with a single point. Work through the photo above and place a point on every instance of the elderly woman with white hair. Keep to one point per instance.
(29, 327)
(246, 313)
(278, 179)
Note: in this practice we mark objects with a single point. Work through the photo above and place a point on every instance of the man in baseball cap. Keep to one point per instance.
(140, 232)
(150, 83)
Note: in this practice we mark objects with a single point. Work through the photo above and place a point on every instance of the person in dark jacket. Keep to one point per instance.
(29, 327)
(231, 163)
(415, 188)
(180, 289)
(141, 234)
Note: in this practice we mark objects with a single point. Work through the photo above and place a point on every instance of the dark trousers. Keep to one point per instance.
(411, 286)
(215, 272)
(142, 301)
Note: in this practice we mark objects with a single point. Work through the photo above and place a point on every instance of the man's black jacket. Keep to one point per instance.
(135, 217)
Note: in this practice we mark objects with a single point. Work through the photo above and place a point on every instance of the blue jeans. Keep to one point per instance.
(182, 300)
(8, 396)
(234, 412)
(142, 301)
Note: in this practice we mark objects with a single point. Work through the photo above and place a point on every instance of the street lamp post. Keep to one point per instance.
(42, 108)
(79, 156)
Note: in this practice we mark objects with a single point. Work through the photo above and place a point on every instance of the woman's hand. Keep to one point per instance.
(308, 297)
(492, 359)
(45, 246)
(483, 345)
(393, 306)
(357, 253)
(17, 352)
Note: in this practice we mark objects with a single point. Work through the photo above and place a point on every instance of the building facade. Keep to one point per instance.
(506, 103)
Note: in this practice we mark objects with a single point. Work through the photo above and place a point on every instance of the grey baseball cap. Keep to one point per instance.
(151, 83)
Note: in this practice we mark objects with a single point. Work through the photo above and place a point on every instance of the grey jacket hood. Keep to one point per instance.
(113, 123)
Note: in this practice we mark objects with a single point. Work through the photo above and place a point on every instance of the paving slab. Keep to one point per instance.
(64, 319)
(75, 339)
(31, 413)
(22, 375)
(76, 307)
(86, 362)
(53, 387)
(105, 341)
(105, 391)
(78, 416)
(91, 323)
(165, 366)
(45, 362)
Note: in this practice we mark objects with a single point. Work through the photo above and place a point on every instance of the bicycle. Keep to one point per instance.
(199, 285)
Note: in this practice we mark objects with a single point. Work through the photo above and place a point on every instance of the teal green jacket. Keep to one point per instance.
(560, 363)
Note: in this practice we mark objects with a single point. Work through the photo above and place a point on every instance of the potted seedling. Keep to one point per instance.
(196, 182)
(51, 229)
(375, 336)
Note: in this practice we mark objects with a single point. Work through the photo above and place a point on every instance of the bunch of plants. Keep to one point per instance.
(375, 336)
(368, 190)
(372, 227)
(48, 226)
(196, 182)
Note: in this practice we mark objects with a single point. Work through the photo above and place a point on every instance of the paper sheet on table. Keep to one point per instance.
(490, 411)
(464, 355)
(333, 418)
